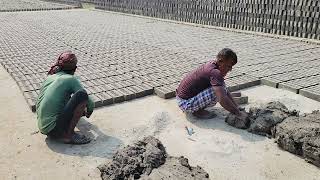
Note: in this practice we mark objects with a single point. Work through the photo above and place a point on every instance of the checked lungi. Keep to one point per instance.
(205, 98)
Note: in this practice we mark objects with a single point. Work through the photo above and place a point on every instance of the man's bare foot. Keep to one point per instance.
(76, 138)
(204, 114)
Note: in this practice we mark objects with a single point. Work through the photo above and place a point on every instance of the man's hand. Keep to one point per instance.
(86, 112)
(226, 100)
(243, 116)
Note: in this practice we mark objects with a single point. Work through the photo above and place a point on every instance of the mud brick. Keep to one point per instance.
(251, 82)
(106, 97)
(309, 93)
(164, 92)
(8, 66)
(32, 77)
(106, 80)
(97, 89)
(99, 74)
(114, 85)
(148, 89)
(136, 81)
(91, 76)
(111, 79)
(37, 80)
(17, 73)
(97, 82)
(172, 87)
(28, 76)
(117, 95)
(17, 78)
(126, 76)
(128, 94)
(29, 95)
(87, 84)
(82, 78)
(127, 83)
(35, 93)
(22, 78)
(230, 83)
(145, 78)
(116, 78)
(96, 99)
(140, 92)
(233, 87)
(270, 82)
(32, 104)
(242, 82)
(36, 86)
(107, 87)
(120, 84)
(27, 87)
(154, 83)
(90, 90)
(290, 87)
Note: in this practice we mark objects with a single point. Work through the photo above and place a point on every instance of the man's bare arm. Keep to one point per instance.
(230, 96)
(226, 101)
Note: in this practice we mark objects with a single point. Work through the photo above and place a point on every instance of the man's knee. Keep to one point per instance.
(82, 95)
(186, 109)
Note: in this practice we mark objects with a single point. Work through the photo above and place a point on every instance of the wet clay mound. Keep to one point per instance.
(133, 161)
(141, 160)
(232, 120)
(177, 169)
(261, 120)
(301, 136)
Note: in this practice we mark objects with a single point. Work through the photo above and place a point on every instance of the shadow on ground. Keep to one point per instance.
(102, 145)
(218, 123)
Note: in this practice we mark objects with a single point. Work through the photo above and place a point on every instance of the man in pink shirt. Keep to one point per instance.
(205, 86)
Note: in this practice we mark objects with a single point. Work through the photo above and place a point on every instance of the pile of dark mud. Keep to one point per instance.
(297, 134)
(147, 159)
(301, 136)
(261, 120)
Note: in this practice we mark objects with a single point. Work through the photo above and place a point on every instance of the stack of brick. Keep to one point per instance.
(299, 18)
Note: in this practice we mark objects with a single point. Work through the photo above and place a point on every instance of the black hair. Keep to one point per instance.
(227, 54)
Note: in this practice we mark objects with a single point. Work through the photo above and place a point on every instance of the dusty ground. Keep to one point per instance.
(223, 151)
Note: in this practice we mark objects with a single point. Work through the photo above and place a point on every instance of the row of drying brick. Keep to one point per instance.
(36, 9)
(272, 16)
(30, 5)
(106, 94)
(308, 86)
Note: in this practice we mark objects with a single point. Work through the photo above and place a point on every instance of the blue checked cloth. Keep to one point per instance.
(202, 100)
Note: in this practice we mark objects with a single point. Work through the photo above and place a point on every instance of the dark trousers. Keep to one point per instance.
(64, 119)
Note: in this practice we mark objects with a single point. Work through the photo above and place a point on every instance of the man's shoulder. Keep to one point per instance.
(67, 78)
(212, 68)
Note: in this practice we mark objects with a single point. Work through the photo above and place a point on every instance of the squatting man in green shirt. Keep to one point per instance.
(63, 101)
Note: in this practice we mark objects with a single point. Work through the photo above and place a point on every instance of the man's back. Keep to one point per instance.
(54, 94)
(198, 80)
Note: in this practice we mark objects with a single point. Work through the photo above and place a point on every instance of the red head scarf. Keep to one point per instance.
(66, 61)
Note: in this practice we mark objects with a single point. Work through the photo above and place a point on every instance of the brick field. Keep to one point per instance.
(124, 57)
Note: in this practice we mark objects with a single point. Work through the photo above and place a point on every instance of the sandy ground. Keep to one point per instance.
(223, 151)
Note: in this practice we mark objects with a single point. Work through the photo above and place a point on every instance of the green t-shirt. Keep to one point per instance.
(54, 95)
